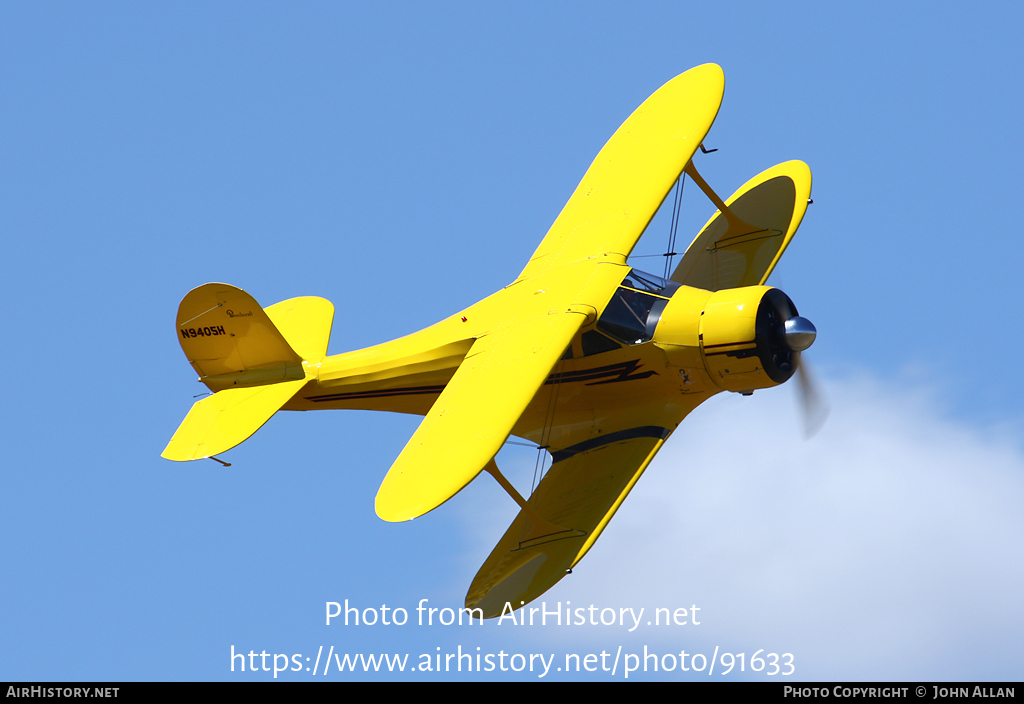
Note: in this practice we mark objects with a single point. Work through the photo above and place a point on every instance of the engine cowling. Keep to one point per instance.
(745, 338)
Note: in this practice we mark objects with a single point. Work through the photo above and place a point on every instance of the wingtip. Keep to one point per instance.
(174, 453)
(704, 83)
(388, 511)
(709, 66)
(708, 71)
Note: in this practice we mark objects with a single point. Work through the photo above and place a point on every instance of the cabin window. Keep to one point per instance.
(594, 342)
(650, 283)
(635, 309)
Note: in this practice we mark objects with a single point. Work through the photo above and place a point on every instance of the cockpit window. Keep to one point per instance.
(650, 283)
(625, 317)
(594, 342)
(632, 315)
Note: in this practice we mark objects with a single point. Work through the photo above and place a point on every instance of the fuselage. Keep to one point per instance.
(645, 347)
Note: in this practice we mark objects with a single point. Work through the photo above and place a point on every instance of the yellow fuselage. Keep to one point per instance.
(584, 390)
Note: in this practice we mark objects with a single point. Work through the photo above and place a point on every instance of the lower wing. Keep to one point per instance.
(577, 498)
(743, 250)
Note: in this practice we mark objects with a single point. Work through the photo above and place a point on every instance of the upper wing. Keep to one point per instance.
(581, 492)
(635, 170)
(475, 413)
(773, 204)
(608, 212)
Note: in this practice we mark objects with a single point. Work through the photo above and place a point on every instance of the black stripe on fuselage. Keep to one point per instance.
(619, 372)
(646, 431)
(730, 344)
(622, 371)
(380, 393)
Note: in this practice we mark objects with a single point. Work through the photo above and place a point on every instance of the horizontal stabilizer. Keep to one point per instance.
(579, 495)
(744, 249)
(475, 413)
(219, 422)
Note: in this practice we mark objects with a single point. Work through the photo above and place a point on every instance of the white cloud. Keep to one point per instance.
(888, 547)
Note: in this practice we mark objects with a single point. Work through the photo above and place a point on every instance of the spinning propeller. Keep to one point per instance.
(800, 334)
(789, 335)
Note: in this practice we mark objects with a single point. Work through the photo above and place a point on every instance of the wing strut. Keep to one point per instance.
(732, 218)
(538, 526)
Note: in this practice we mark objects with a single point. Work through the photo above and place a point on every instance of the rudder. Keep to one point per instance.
(232, 342)
(254, 359)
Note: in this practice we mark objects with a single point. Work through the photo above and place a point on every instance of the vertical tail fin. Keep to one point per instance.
(254, 359)
(231, 341)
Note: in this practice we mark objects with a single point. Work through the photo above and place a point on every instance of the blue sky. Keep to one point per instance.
(403, 160)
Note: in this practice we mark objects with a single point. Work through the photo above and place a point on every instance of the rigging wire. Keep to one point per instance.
(674, 227)
(542, 446)
(545, 438)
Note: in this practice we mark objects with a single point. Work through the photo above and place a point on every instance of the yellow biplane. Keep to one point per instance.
(586, 357)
